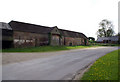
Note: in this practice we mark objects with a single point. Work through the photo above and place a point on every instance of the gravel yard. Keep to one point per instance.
(8, 58)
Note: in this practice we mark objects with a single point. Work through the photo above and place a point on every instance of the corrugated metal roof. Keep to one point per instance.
(5, 26)
(113, 38)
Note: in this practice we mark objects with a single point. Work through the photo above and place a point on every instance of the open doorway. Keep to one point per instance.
(70, 44)
(7, 44)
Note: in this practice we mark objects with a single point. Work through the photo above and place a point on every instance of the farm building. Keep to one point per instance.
(112, 40)
(6, 36)
(29, 35)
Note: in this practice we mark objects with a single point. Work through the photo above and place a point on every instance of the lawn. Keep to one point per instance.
(105, 68)
(44, 48)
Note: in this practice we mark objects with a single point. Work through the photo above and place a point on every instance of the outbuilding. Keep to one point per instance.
(6, 36)
(31, 35)
(112, 40)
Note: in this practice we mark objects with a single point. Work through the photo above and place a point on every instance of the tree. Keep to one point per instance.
(91, 38)
(106, 29)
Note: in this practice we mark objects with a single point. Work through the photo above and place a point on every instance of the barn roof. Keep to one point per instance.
(26, 27)
(68, 33)
(113, 38)
(5, 26)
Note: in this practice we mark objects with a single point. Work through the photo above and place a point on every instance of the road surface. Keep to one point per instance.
(57, 67)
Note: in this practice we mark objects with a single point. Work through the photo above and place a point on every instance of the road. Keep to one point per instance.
(57, 67)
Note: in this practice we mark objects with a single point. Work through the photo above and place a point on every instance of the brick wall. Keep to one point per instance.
(26, 39)
(69, 41)
(55, 40)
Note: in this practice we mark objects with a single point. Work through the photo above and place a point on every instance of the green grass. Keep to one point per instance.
(44, 48)
(51, 48)
(105, 68)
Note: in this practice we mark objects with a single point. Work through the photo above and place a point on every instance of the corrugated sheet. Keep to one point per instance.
(5, 26)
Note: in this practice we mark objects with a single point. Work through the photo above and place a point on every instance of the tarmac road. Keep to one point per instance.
(57, 67)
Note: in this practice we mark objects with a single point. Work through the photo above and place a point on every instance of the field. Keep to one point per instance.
(105, 68)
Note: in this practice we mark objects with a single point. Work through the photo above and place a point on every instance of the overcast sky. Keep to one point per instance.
(76, 15)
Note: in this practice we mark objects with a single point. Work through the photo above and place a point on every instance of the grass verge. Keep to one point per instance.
(105, 68)
(45, 48)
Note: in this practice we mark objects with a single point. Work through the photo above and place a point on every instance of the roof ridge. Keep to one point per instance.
(70, 31)
(30, 24)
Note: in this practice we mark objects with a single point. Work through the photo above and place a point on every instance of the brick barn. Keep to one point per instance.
(30, 35)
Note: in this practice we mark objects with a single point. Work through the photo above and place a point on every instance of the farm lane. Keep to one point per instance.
(60, 66)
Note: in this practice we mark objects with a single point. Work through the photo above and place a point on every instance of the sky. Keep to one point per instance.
(75, 15)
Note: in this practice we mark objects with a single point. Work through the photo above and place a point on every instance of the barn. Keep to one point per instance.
(31, 35)
(111, 40)
(6, 36)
